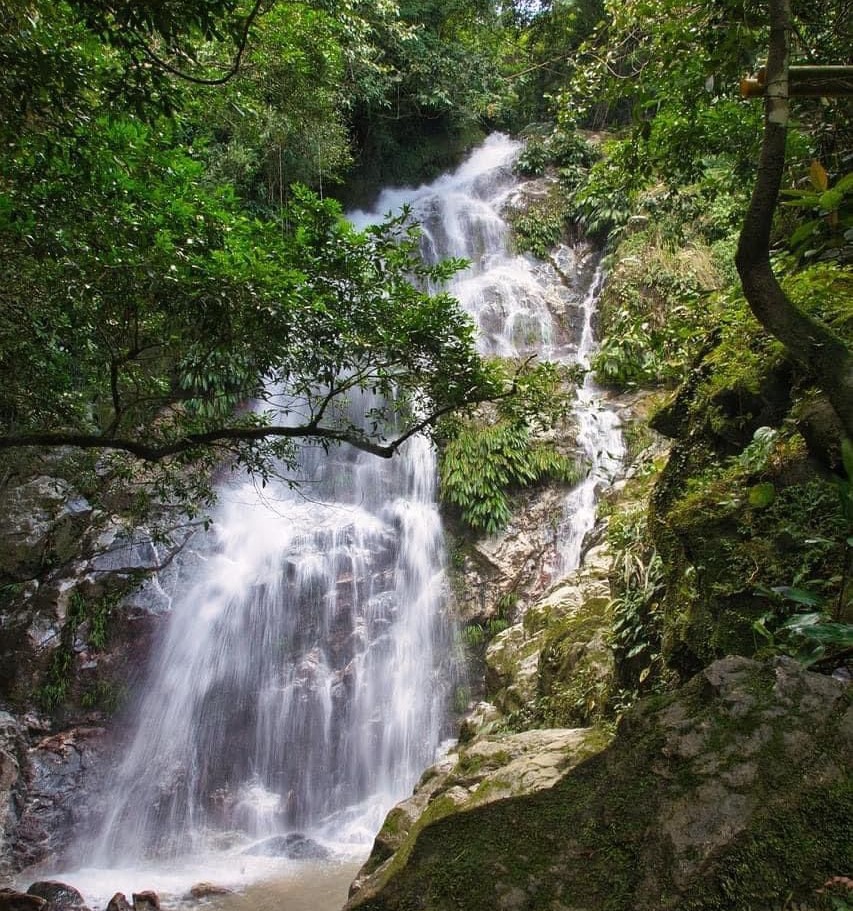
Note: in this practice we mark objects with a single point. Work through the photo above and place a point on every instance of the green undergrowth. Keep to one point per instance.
(91, 620)
(655, 308)
(482, 466)
(541, 226)
(487, 458)
(750, 502)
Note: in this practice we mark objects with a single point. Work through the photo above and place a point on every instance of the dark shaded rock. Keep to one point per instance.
(10, 900)
(60, 896)
(725, 795)
(59, 768)
(203, 890)
(119, 902)
(295, 846)
(40, 526)
(146, 901)
(11, 753)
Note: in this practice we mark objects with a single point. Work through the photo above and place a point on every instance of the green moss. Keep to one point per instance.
(738, 508)
(594, 840)
(724, 546)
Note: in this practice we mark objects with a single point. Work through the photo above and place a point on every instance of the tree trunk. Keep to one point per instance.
(807, 340)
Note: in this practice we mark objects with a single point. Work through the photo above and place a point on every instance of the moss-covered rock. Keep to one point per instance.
(493, 768)
(729, 795)
(554, 667)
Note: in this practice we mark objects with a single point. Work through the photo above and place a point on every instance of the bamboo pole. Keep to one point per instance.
(805, 82)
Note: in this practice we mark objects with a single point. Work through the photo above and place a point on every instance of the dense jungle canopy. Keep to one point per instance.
(172, 248)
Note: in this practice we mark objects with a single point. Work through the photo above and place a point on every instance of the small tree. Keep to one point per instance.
(810, 342)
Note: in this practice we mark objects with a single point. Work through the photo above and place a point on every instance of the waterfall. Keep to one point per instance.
(299, 675)
(304, 677)
(523, 307)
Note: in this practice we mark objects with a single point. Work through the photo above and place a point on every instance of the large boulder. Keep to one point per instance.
(59, 896)
(555, 662)
(733, 793)
(146, 901)
(119, 902)
(11, 900)
(489, 769)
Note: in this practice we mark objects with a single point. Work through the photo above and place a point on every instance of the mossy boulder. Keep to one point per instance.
(493, 768)
(731, 794)
(555, 663)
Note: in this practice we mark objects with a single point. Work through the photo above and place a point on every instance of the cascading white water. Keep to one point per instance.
(298, 678)
(522, 307)
(304, 678)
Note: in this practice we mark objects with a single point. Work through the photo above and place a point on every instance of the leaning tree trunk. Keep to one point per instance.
(807, 340)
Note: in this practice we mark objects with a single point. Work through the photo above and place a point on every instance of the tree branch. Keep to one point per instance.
(157, 451)
(199, 80)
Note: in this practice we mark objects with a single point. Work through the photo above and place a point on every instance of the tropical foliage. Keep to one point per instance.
(169, 290)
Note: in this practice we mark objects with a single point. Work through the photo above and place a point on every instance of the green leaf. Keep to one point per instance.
(760, 627)
(804, 231)
(799, 595)
(762, 495)
(831, 200)
(845, 183)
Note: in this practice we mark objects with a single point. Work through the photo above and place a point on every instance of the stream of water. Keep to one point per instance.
(305, 676)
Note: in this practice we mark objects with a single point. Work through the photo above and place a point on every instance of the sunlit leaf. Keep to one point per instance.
(818, 175)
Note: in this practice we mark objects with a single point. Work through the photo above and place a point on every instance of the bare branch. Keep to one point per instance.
(199, 80)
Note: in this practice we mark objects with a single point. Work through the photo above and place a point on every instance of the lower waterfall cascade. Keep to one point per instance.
(305, 676)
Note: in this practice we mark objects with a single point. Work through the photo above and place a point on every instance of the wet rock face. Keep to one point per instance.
(11, 748)
(60, 776)
(146, 901)
(10, 900)
(206, 890)
(556, 655)
(42, 522)
(727, 794)
(59, 896)
(119, 902)
(294, 845)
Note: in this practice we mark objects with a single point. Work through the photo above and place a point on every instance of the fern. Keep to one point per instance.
(481, 466)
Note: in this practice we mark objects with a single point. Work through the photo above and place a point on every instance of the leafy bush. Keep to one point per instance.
(827, 231)
(653, 310)
(562, 149)
(540, 228)
(481, 465)
(603, 204)
(681, 138)
(638, 584)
